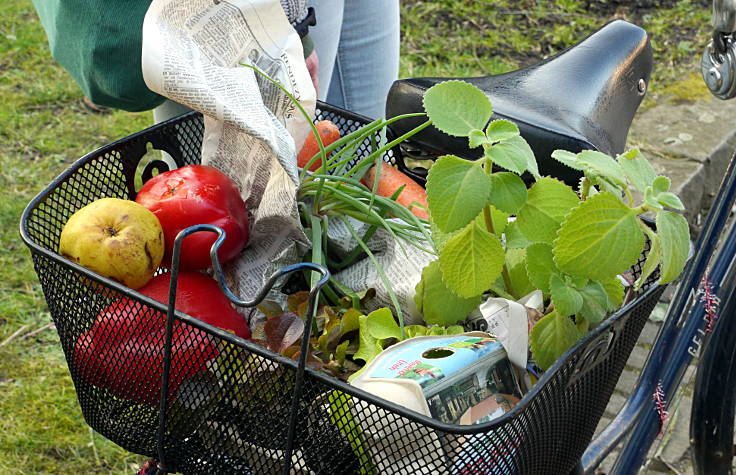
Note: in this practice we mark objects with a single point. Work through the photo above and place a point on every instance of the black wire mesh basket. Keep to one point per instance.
(234, 416)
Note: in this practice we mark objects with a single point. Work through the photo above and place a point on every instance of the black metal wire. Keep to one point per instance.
(220, 277)
(254, 417)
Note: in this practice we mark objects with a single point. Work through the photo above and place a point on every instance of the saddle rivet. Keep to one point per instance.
(642, 86)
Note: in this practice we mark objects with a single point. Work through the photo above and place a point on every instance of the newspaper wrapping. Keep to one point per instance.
(192, 54)
(402, 265)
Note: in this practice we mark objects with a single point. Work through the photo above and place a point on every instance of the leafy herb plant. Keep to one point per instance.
(491, 234)
(573, 245)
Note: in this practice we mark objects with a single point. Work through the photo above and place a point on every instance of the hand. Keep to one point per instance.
(313, 66)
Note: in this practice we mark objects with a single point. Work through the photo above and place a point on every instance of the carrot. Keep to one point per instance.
(328, 132)
(391, 180)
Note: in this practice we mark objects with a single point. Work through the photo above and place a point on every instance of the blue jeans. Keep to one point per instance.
(357, 42)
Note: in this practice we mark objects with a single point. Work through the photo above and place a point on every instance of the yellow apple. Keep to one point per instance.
(115, 238)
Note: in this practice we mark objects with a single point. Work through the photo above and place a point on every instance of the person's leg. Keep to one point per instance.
(367, 60)
(326, 35)
(168, 110)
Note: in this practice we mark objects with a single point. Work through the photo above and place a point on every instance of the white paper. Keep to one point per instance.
(401, 263)
(509, 321)
(192, 54)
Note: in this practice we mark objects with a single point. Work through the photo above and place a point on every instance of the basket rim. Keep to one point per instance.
(520, 407)
(330, 381)
(74, 167)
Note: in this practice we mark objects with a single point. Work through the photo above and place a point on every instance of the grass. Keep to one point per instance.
(44, 127)
(471, 38)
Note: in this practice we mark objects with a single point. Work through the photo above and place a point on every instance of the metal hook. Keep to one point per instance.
(220, 277)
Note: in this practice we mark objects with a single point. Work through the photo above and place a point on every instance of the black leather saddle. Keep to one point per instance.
(581, 99)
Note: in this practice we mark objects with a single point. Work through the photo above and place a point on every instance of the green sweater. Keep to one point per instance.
(99, 44)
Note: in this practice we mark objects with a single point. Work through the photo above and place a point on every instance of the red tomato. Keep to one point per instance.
(123, 351)
(197, 194)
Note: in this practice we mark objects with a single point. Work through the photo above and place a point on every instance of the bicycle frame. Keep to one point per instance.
(680, 339)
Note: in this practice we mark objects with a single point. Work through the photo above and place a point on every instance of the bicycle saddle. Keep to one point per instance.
(582, 98)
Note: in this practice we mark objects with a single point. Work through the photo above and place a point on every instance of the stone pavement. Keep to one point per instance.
(691, 143)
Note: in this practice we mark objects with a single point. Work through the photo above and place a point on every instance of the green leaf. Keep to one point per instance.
(547, 204)
(381, 324)
(582, 325)
(630, 154)
(514, 237)
(471, 260)
(415, 330)
(476, 138)
(674, 233)
(501, 130)
(531, 160)
(508, 192)
(336, 327)
(454, 330)
(651, 199)
(341, 416)
(500, 220)
(576, 281)
(350, 321)
(369, 347)
(567, 299)
(438, 236)
(516, 264)
(615, 291)
(602, 165)
(607, 185)
(438, 304)
(540, 266)
(670, 199)
(515, 256)
(551, 337)
(637, 169)
(457, 107)
(457, 190)
(661, 184)
(341, 351)
(599, 239)
(567, 158)
(436, 330)
(595, 302)
(512, 154)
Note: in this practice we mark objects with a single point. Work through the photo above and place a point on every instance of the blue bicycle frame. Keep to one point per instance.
(679, 340)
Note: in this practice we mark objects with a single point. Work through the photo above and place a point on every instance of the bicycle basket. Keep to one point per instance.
(237, 421)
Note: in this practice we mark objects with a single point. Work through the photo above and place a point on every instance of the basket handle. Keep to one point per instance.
(220, 277)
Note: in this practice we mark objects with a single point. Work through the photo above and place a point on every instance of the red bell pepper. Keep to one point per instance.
(123, 350)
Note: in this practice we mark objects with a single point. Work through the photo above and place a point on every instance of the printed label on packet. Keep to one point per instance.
(464, 379)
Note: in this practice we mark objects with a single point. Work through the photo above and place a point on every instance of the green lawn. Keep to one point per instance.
(43, 128)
